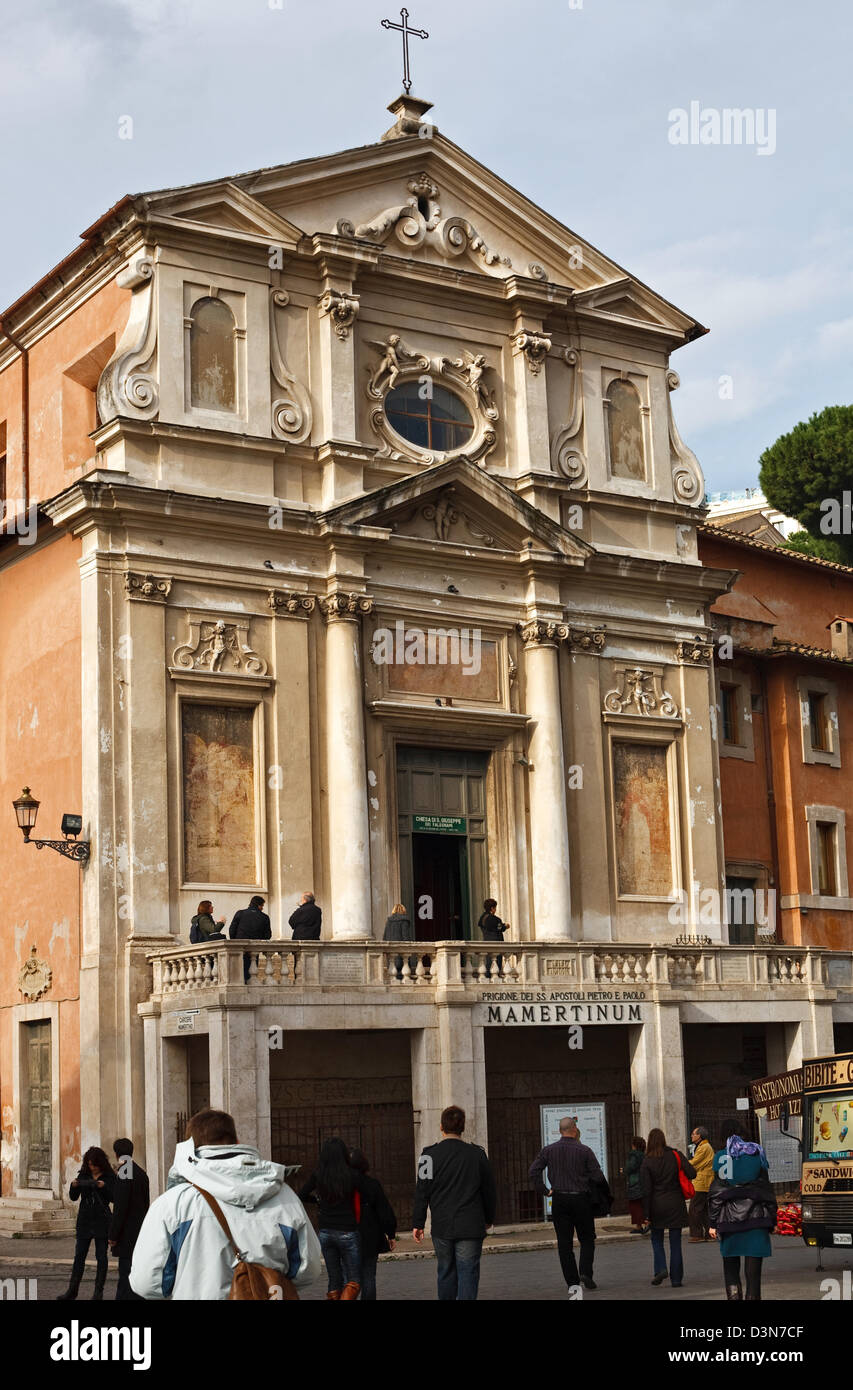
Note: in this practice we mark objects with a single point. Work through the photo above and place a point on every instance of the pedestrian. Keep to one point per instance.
(633, 1164)
(130, 1204)
(203, 928)
(398, 927)
(307, 920)
(93, 1189)
(703, 1162)
(183, 1253)
(742, 1211)
(250, 924)
(457, 1185)
(338, 1188)
(492, 928)
(572, 1170)
(377, 1225)
(664, 1206)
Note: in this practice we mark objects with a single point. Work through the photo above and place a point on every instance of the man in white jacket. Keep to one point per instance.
(182, 1252)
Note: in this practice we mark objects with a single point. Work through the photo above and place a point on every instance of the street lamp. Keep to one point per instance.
(26, 813)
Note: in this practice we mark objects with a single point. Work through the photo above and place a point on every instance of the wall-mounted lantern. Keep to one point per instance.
(26, 813)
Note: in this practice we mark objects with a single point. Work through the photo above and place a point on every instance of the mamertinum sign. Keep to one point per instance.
(549, 1007)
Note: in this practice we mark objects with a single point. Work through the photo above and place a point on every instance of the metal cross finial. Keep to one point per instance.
(405, 31)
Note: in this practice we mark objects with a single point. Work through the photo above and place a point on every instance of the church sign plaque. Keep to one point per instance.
(440, 825)
(342, 968)
(525, 1008)
(567, 1014)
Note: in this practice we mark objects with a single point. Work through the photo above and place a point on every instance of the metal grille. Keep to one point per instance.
(829, 1208)
(384, 1132)
(515, 1138)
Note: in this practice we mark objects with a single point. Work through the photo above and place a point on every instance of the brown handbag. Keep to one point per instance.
(252, 1281)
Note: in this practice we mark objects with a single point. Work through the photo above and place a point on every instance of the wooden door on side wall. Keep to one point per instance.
(39, 1103)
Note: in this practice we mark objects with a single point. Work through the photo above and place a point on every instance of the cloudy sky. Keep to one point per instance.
(569, 100)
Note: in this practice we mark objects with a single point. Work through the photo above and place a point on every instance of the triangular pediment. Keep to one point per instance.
(423, 200)
(226, 207)
(457, 503)
(630, 302)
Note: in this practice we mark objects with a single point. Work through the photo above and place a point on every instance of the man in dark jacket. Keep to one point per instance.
(306, 920)
(250, 924)
(573, 1169)
(130, 1203)
(456, 1183)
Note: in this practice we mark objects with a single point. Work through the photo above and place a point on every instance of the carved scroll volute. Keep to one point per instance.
(128, 383)
(291, 410)
(688, 481)
(567, 452)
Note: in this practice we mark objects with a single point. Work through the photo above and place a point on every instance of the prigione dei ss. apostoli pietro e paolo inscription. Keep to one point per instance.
(572, 1006)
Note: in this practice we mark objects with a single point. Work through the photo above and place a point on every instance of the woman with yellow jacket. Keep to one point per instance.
(703, 1162)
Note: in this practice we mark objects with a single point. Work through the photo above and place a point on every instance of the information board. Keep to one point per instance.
(590, 1119)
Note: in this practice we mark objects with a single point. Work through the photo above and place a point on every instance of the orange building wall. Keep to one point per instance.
(40, 712)
(804, 600)
(62, 407)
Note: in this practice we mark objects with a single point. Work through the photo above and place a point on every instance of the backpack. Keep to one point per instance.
(251, 1281)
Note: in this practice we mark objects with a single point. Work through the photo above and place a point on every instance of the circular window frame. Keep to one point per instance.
(454, 375)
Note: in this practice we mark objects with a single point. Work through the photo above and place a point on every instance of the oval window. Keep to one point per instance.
(441, 422)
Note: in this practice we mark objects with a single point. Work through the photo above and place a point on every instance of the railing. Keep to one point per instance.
(558, 966)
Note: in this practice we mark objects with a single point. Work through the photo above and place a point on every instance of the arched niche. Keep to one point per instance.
(625, 431)
(213, 356)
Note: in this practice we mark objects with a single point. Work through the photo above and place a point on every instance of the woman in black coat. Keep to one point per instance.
(398, 927)
(664, 1206)
(377, 1224)
(492, 928)
(93, 1188)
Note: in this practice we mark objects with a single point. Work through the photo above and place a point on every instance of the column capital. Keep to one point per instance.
(345, 607)
(539, 632)
(152, 587)
(295, 605)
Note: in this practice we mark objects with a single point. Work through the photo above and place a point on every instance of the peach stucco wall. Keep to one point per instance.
(40, 713)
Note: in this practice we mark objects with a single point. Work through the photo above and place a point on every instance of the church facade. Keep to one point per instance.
(366, 565)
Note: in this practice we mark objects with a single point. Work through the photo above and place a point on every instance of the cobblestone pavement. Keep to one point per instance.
(623, 1270)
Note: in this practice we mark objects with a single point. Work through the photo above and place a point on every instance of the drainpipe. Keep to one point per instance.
(771, 797)
(25, 414)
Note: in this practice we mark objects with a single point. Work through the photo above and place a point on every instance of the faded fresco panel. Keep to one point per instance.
(219, 794)
(624, 423)
(467, 672)
(643, 843)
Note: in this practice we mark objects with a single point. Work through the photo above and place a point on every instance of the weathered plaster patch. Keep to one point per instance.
(59, 932)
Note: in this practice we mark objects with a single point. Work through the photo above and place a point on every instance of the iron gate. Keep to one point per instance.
(383, 1131)
(515, 1138)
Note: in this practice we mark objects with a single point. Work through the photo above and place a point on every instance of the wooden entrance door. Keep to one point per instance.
(39, 1102)
(443, 783)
